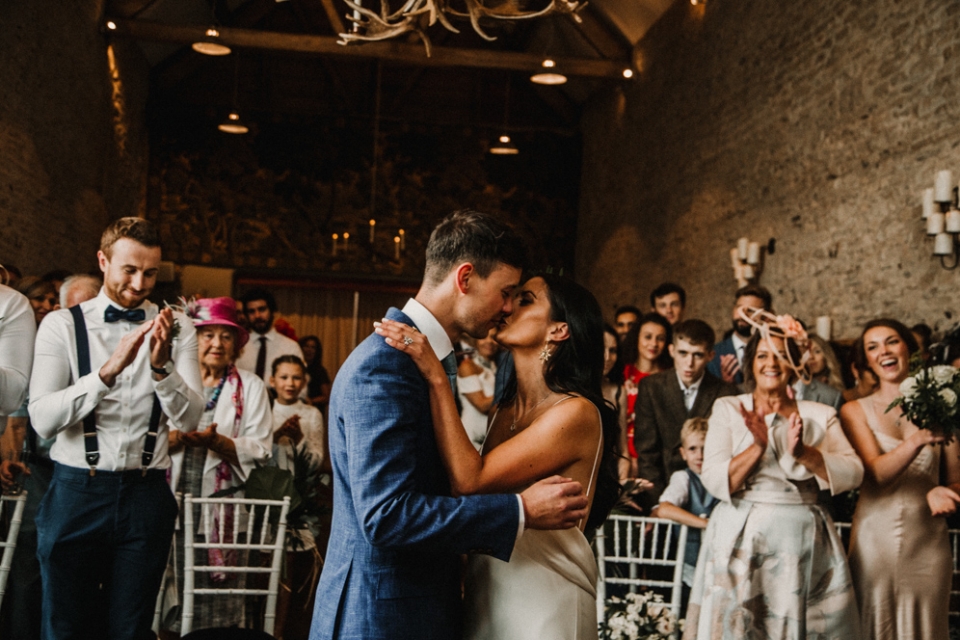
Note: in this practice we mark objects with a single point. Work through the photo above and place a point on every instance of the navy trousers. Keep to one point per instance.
(102, 543)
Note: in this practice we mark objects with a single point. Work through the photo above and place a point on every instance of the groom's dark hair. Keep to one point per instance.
(471, 236)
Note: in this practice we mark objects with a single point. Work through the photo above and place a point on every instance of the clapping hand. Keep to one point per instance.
(161, 338)
(289, 429)
(729, 368)
(756, 423)
(205, 439)
(125, 353)
(795, 436)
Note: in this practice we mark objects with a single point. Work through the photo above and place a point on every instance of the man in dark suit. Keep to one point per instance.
(667, 399)
(393, 562)
(728, 353)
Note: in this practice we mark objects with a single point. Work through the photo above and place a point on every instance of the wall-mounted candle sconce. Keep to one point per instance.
(943, 225)
(747, 261)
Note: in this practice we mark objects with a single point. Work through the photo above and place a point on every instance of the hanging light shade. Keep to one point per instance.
(233, 124)
(504, 147)
(211, 45)
(550, 76)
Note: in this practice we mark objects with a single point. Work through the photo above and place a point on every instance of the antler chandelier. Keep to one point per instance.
(416, 15)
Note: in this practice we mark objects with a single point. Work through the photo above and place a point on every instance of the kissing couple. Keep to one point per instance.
(412, 494)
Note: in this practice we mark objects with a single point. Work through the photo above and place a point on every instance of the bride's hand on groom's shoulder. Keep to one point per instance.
(407, 339)
(554, 503)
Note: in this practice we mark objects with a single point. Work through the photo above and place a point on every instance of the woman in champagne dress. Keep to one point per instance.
(899, 552)
(553, 421)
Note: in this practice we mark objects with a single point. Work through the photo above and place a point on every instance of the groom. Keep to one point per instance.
(392, 568)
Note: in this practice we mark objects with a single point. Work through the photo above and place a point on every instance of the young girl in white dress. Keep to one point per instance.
(297, 426)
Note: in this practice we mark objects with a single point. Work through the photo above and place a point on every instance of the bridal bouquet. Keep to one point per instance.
(929, 397)
(639, 616)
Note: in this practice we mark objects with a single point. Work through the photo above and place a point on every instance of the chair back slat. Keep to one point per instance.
(639, 545)
(9, 544)
(271, 541)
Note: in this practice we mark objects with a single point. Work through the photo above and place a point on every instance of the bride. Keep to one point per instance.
(552, 421)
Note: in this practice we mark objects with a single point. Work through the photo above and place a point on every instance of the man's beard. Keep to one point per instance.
(742, 328)
(261, 326)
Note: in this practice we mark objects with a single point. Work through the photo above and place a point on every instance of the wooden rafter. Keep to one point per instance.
(392, 51)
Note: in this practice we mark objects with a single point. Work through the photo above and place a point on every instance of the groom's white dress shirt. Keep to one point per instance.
(60, 398)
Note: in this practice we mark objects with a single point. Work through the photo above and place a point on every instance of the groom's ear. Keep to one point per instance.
(559, 332)
(462, 276)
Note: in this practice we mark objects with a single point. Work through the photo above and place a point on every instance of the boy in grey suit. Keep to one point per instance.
(667, 399)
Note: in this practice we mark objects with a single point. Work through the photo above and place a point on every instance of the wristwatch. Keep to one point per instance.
(165, 370)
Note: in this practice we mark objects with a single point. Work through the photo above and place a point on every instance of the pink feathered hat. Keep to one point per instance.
(207, 311)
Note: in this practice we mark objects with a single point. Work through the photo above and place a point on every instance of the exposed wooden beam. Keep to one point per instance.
(599, 36)
(335, 21)
(392, 51)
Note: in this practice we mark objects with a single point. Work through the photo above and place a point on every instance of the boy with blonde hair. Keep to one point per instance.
(685, 500)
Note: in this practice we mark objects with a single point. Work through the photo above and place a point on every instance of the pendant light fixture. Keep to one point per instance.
(504, 146)
(210, 44)
(550, 74)
(233, 123)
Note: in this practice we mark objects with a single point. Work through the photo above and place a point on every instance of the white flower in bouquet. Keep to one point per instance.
(949, 396)
(655, 609)
(665, 626)
(908, 388)
(943, 374)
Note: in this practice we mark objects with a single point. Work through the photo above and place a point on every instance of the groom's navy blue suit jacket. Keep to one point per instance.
(392, 569)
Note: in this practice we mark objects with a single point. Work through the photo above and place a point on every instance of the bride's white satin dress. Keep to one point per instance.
(548, 590)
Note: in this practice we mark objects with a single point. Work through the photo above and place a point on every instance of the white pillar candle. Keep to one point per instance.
(824, 326)
(742, 246)
(943, 245)
(335, 238)
(373, 226)
(748, 271)
(927, 203)
(734, 258)
(346, 240)
(935, 223)
(952, 221)
(943, 187)
(753, 253)
(403, 240)
(396, 247)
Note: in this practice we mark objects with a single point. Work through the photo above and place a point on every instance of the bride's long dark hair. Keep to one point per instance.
(576, 366)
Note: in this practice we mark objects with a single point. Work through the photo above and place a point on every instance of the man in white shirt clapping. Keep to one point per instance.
(109, 377)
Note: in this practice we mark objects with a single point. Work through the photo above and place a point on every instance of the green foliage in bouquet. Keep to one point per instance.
(639, 616)
(928, 397)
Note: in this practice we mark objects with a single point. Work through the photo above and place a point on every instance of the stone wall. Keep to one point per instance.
(816, 123)
(72, 136)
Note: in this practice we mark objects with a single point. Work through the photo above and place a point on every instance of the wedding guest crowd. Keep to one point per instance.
(111, 404)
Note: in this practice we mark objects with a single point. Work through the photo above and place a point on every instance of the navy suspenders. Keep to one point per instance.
(90, 444)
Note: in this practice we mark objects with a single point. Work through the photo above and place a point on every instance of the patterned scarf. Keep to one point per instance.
(224, 475)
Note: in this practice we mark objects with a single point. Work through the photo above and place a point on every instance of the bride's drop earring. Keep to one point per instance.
(545, 353)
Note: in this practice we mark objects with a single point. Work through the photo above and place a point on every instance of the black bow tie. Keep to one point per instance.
(112, 314)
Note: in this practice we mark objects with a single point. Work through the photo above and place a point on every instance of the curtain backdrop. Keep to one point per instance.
(328, 314)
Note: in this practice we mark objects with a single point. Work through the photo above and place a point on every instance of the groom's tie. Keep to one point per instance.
(450, 366)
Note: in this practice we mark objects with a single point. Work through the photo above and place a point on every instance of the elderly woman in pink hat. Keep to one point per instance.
(233, 436)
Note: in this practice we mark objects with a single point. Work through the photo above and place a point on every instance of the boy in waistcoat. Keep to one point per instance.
(685, 500)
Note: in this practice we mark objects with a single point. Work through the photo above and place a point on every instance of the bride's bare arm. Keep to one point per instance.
(548, 446)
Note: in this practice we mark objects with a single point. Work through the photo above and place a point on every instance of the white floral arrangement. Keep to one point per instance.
(929, 397)
(639, 616)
